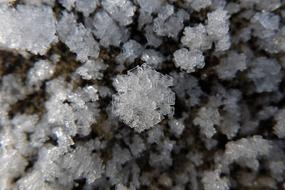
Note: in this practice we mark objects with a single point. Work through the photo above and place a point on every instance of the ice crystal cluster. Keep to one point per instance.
(142, 94)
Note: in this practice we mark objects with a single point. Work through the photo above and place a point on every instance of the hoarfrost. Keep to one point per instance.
(230, 65)
(279, 128)
(19, 32)
(247, 150)
(218, 29)
(196, 37)
(266, 74)
(78, 38)
(168, 23)
(206, 118)
(213, 181)
(143, 98)
(91, 70)
(107, 30)
(189, 60)
(41, 71)
(86, 6)
(60, 115)
(131, 51)
(197, 5)
(120, 10)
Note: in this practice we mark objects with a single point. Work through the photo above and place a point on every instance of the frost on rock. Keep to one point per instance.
(230, 122)
(35, 181)
(189, 60)
(86, 6)
(261, 5)
(151, 37)
(279, 128)
(230, 65)
(218, 29)
(207, 117)
(107, 30)
(136, 145)
(162, 158)
(114, 166)
(143, 98)
(213, 181)
(13, 163)
(176, 126)
(11, 91)
(63, 166)
(247, 150)
(196, 38)
(91, 70)
(120, 10)
(187, 88)
(74, 111)
(265, 24)
(24, 125)
(77, 38)
(42, 70)
(18, 28)
(68, 4)
(150, 6)
(131, 51)
(275, 43)
(152, 58)
(33, 2)
(266, 74)
(168, 23)
(197, 5)
(266, 28)
(154, 135)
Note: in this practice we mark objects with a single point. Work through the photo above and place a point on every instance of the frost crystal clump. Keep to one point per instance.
(196, 37)
(197, 5)
(152, 58)
(207, 117)
(279, 127)
(131, 51)
(19, 28)
(247, 150)
(86, 6)
(73, 111)
(231, 65)
(121, 10)
(266, 74)
(77, 38)
(42, 70)
(107, 30)
(91, 70)
(189, 60)
(64, 166)
(168, 23)
(143, 98)
(266, 24)
(213, 181)
(218, 29)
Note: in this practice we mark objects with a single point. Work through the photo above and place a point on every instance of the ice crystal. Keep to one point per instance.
(18, 30)
(78, 38)
(189, 60)
(143, 98)
(41, 71)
